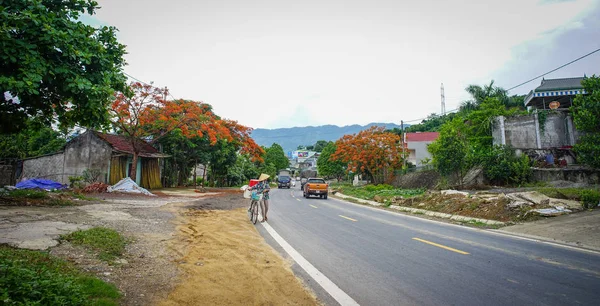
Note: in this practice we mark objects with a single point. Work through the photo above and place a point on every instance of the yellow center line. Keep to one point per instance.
(312, 206)
(442, 246)
(299, 200)
(347, 218)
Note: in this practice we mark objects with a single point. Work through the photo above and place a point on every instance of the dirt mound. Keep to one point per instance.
(95, 188)
(422, 179)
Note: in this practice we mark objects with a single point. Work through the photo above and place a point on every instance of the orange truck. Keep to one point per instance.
(316, 186)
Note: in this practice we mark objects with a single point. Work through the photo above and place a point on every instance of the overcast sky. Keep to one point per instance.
(280, 63)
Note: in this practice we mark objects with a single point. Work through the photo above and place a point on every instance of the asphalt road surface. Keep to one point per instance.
(379, 257)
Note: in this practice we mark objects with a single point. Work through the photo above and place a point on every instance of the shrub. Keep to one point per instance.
(590, 198)
(37, 278)
(91, 175)
(76, 182)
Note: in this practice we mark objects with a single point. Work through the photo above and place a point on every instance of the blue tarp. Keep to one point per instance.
(40, 183)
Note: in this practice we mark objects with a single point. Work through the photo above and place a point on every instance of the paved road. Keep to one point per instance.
(384, 258)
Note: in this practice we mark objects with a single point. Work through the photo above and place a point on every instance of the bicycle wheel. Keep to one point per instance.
(250, 210)
(255, 212)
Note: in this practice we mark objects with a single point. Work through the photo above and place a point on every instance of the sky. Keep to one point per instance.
(281, 63)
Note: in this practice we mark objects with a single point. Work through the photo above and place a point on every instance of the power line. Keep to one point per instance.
(532, 79)
(129, 75)
(562, 66)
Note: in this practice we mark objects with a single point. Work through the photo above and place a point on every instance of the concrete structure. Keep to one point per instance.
(554, 130)
(416, 145)
(91, 150)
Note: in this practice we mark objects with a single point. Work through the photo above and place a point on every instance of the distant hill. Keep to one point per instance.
(291, 138)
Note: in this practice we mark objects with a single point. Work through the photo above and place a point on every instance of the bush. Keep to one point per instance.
(91, 176)
(590, 198)
(37, 278)
(501, 166)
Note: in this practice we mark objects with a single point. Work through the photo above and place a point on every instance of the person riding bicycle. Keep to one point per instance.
(262, 187)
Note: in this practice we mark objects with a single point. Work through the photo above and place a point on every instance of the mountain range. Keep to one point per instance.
(291, 138)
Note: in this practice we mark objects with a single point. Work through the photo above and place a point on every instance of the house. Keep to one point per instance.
(554, 93)
(550, 125)
(416, 145)
(110, 154)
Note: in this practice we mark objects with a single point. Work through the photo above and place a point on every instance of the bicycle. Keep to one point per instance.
(253, 210)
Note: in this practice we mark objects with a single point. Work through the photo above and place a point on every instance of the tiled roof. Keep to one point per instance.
(422, 136)
(123, 144)
(560, 84)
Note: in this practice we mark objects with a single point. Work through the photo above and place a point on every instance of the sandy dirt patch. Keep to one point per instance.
(224, 261)
(186, 248)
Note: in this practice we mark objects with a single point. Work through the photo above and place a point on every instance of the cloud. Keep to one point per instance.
(295, 63)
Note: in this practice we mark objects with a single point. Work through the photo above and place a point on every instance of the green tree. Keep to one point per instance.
(34, 140)
(319, 145)
(54, 67)
(328, 167)
(586, 116)
(275, 155)
(450, 150)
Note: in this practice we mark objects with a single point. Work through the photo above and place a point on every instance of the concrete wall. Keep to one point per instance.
(586, 176)
(7, 175)
(47, 167)
(84, 152)
(420, 149)
(525, 132)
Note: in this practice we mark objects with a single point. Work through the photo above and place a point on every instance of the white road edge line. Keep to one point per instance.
(338, 294)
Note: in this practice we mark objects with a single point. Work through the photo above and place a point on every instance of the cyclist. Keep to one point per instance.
(263, 187)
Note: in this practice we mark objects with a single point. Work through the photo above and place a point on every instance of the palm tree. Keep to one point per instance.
(480, 93)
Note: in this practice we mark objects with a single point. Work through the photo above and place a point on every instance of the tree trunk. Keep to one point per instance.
(133, 173)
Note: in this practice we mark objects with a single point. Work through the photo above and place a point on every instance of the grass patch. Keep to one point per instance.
(37, 278)
(28, 194)
(418, 213)
(107, 242)
(589, 197)
(383, 191)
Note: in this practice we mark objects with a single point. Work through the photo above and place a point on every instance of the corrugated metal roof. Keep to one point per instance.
(560, 84)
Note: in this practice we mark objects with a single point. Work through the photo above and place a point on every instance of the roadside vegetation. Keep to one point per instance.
(36, 197)
(381, 192)
(37, 278)
(108, 243)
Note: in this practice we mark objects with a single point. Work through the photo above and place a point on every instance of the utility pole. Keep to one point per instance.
(402, 139)
(443, 101)
(165, 93)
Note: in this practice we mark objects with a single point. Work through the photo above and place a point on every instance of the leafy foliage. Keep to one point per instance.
(33, 140)
(54, 66)
(450, 150)
(372, 152)
(501, 165)
(385, 191)
(142, 112)
(586, 116)
(36, 278)
(276, 156)
(327, 166)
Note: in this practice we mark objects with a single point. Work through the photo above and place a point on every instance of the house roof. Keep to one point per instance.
(123, 144)
(421, 136)
(560, 84)
(560, 90)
